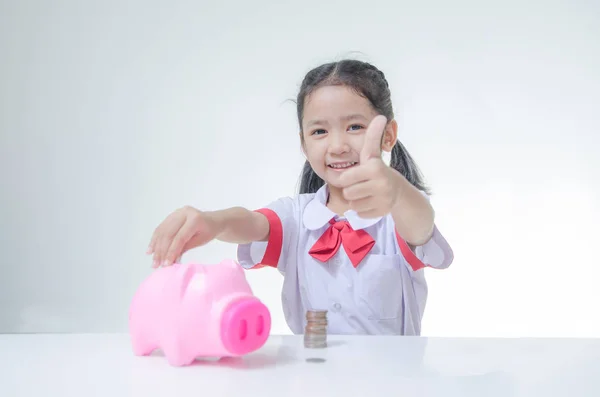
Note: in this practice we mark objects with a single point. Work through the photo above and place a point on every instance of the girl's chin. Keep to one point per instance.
(333, 182)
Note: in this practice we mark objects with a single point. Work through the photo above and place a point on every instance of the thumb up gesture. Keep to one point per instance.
(371, 187)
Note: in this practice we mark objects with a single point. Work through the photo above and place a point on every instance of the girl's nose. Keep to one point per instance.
(337, 144)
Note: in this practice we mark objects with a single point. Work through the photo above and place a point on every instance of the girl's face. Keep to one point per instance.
(333, 127)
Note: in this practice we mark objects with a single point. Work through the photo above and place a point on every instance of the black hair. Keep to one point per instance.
(369, 82)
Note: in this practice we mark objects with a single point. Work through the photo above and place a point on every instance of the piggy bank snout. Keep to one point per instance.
(245, 325)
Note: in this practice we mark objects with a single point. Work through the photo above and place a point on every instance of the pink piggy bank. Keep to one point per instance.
(192, 310)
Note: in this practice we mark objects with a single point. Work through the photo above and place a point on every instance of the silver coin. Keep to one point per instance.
(322, 343)
(315, 360)
(315, 336)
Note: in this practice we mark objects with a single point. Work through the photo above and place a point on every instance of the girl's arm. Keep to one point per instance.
(239, 225)
(188, 228)
(421, 243)
(412, 213)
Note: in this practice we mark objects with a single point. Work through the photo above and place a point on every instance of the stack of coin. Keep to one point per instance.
(315, 332)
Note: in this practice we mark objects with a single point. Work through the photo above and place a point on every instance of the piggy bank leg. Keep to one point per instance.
(176, 354)
(141, 347)
(140, 343)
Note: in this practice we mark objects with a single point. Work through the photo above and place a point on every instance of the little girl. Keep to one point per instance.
(379, 215)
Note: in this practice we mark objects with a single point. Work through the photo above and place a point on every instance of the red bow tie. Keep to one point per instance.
(357, 243)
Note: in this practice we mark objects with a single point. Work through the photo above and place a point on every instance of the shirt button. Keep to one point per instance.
(337, 307)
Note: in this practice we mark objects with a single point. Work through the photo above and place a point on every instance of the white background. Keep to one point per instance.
(113, 114)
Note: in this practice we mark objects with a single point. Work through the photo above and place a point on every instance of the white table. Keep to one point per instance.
(103, 365)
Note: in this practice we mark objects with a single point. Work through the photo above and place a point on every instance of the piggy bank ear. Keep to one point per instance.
(232, 265)
(183, 276)
(233, 270)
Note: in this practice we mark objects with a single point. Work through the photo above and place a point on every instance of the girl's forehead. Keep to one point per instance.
(334, 93)
(335, 101)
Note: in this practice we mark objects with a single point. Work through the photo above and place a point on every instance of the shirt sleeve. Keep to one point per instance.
(436, 253)
(283, 218)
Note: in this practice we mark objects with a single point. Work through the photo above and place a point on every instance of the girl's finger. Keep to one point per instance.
(156, 236)
(184, 234)
(152, 243)
(155, 261)
(363, 205)
(164, 242)
(372, 143)
(359, 191)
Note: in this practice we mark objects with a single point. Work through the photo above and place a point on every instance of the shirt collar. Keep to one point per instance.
(316, 214)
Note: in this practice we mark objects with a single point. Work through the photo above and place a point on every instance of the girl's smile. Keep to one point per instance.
(340, 166)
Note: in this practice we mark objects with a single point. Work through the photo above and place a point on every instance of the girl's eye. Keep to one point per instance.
(356, 127)
(317, 132)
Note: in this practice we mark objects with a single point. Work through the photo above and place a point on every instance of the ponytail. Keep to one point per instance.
(310, 182)
(403, 162)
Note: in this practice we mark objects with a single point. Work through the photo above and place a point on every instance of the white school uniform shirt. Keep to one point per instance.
(385, 294)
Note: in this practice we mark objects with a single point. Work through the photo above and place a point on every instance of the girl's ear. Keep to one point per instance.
(390, 136)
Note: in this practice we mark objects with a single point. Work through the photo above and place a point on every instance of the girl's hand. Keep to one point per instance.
(371, 187)
(181, 231)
